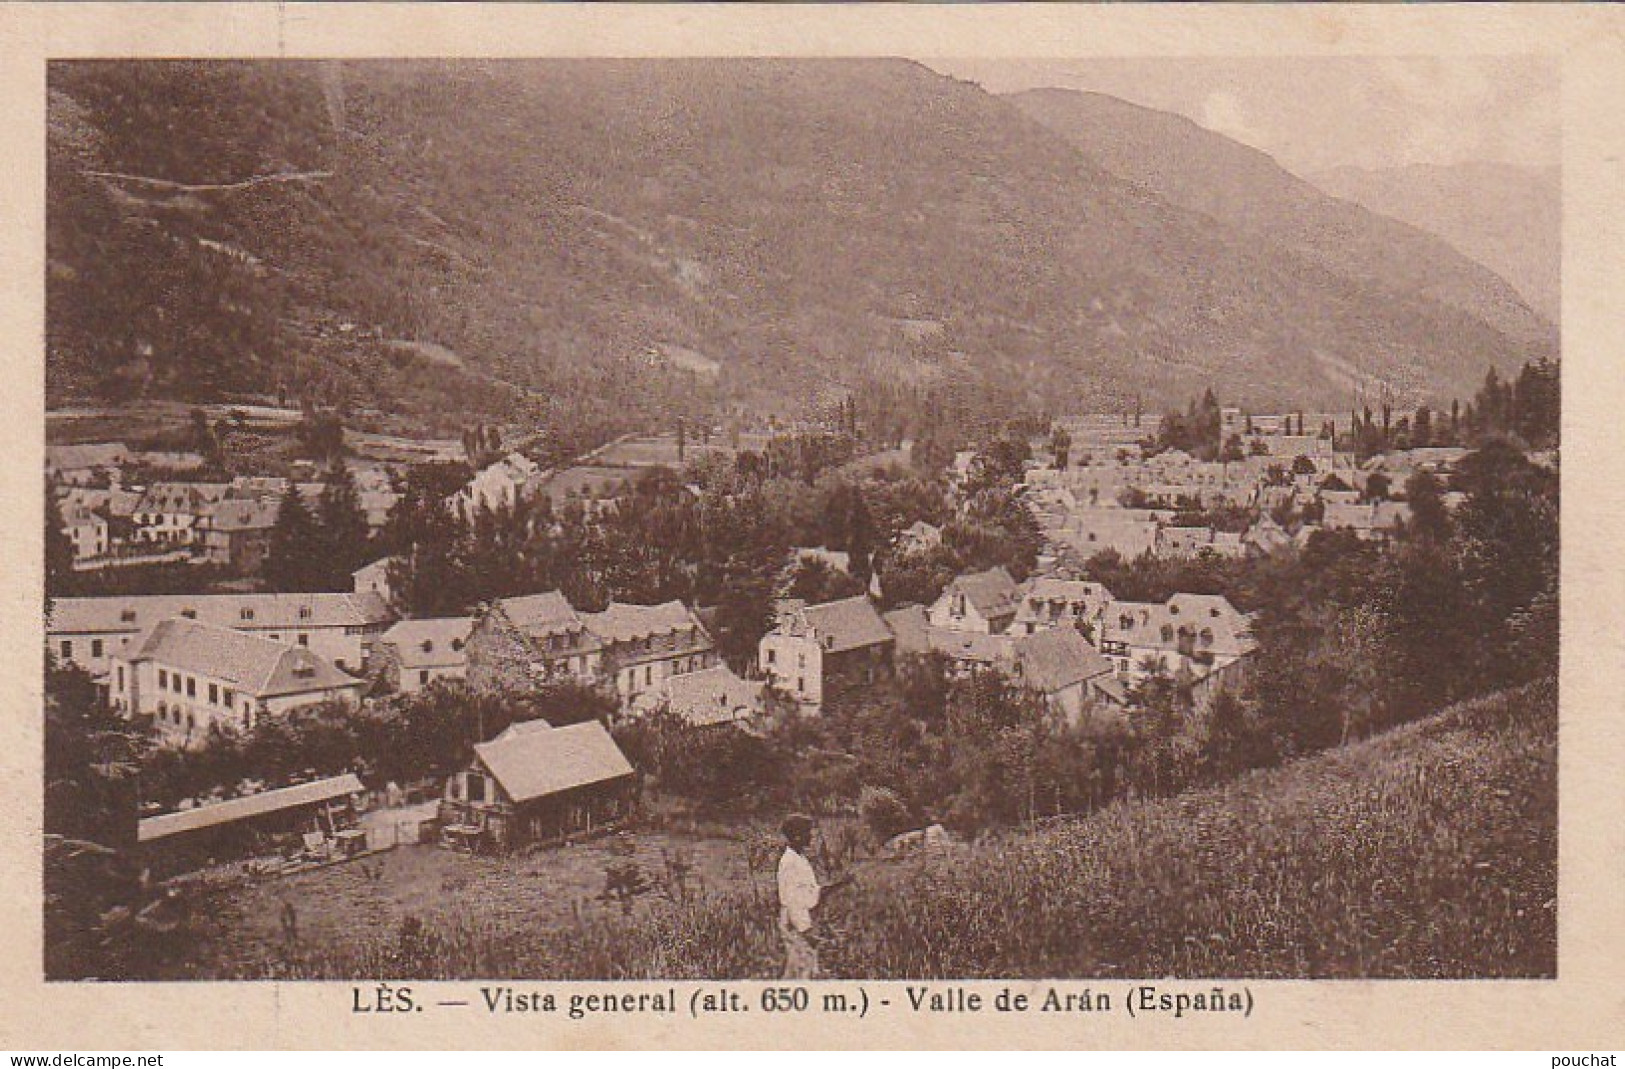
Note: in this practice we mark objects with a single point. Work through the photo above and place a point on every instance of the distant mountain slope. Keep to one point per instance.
(535, 235)
(1239, 185)
(1506, 217)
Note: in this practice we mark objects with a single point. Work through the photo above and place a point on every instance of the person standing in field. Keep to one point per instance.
(799, 895)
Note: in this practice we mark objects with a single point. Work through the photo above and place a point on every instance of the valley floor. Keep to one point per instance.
(1430, 851)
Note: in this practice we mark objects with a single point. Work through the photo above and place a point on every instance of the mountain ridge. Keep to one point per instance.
(799, 225)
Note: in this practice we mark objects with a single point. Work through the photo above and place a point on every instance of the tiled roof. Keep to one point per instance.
(629, 623)
(993, 592)
(847, 624)
(1058, 658)
(1216, 625)
(430, 643)
(257, 666)
(533, 764)
(911, 626)
(266, 611)
(541, 614)
(710, 696)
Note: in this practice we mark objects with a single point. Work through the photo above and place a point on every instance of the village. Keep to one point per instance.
(1093, 493)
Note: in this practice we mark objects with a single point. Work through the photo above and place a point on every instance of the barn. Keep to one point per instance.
(536, 784)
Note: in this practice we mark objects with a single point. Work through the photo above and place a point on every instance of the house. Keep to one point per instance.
(1060, 664)
(374, 579)
(1128, 532)
(501, 485)
(1266, 537)
(414, 653)
(170, 514)
(188, 675)
(190, 838)
(236, 534)
(1370, 521)
(817, 650)
(919, 537)
(984, 602)
(1049, 602)
(640, 646)
(88, 530)
(537, 784)
(79, 465)
(89, 632)
(707, 698)
(1189, 635)
(519, 642)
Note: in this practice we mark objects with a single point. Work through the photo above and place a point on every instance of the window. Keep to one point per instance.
(304, 639)
(648, 675)
(457, 645)
(227, 698)
(1167, 632)
(214, 694)
(121, 677)
(67, 649)
(95, 647)
(801, 685)
(772, 655)
(423, 677)
(175, 682)
(304, 612)
(190, 614)
(191, 686)
(163, 679)
(127, 616)
(246, 613)
(476, 788)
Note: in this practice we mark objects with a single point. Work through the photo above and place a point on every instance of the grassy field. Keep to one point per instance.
(1430, 851)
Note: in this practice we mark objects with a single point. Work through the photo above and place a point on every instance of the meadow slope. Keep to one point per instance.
(1427, 852)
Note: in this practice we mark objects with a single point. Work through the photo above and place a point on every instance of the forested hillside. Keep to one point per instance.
(604, 243)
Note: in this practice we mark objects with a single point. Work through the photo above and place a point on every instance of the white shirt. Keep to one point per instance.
(798, 890)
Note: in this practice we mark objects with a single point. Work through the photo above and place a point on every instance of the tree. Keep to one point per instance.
(294, 561)
(344, 532)
(58, 549)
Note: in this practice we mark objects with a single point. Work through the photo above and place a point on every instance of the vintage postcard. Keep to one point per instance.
(895, 526)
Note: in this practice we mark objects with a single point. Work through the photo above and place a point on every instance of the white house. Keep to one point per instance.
(414, 653)
(982, 602)
(90, 632)
(501, 485)
(1048, 602)
(189, 675)
(1189, 634)
(818, 648)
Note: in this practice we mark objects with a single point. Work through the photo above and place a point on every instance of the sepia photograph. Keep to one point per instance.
(753, 518)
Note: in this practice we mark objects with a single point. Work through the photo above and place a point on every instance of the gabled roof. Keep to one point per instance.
(126, 614)
(1215, 624)
(1058, 658)
(430, 643)
(534, 763)
(541, 614)
(247, 807)
(181, 497)
(710, 696)
(621, 622)
(911, 627)
(256, 666)
(993, 592)
(848, 624)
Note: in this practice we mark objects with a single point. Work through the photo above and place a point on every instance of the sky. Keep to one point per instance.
(1316, 113)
